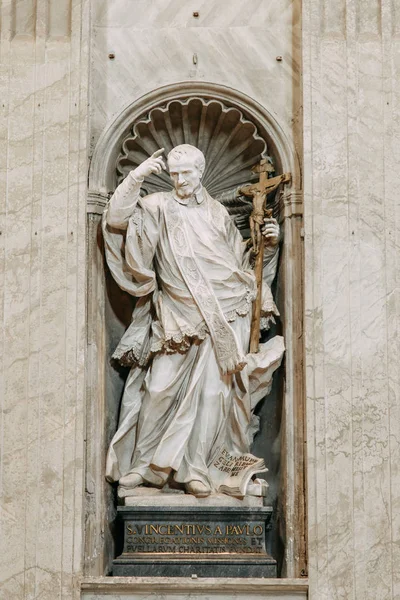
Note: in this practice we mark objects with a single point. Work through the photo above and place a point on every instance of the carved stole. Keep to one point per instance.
(229, 355)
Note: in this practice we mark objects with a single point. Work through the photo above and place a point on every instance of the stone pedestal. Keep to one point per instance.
(183, 536)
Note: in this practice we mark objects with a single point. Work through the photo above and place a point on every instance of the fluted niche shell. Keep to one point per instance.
(230, 143)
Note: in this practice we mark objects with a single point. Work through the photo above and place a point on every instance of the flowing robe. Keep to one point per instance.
(189, 398)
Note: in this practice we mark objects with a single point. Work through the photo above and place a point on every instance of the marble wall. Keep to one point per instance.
(351, 91)
(43, 171)
(351, 69)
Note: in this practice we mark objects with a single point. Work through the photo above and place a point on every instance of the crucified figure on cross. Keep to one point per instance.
(259, 192)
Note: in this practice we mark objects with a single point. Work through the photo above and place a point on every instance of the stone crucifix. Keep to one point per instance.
(259, 192)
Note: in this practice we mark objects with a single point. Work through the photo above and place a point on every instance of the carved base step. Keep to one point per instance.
(144, 496)
(187, 566)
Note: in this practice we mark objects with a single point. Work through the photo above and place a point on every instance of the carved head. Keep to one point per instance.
(186, 166)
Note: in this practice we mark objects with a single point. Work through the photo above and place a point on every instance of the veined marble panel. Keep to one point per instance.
(43, 168)
(234, 44)
(351, 155)
(395, 17)
(23, 17)
(333, 18)
(369, 18)
(59, 24)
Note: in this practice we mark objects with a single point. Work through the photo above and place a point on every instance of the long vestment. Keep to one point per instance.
(189, 398)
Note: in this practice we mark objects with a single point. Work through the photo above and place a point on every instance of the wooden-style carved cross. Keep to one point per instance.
(259, 192)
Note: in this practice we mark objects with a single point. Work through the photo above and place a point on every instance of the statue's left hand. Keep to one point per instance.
(270, 231)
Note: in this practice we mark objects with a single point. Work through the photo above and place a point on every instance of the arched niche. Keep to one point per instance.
(234, 132)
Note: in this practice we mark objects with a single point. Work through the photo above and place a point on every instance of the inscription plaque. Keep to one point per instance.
(205, 541)
(187, 538)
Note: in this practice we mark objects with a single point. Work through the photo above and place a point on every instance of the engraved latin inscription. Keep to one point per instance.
(194, 538)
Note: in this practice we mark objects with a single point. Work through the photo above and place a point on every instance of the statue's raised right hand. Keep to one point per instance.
(153, 164)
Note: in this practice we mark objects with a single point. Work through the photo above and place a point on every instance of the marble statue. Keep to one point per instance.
(187, 414)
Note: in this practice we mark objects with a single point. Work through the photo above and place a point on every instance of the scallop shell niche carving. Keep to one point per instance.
(229, 141)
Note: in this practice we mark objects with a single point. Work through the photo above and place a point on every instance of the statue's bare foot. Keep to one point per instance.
(131, 480)
(198, 489)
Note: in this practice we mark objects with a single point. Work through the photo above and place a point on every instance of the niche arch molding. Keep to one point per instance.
(102, 172)
(99, 510)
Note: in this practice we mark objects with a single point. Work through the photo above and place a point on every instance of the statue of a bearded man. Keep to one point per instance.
(188, 405)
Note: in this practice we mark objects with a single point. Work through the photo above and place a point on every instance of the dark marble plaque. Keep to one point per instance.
(206, 541)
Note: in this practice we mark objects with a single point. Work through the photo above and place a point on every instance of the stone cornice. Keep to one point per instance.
(269, 588)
